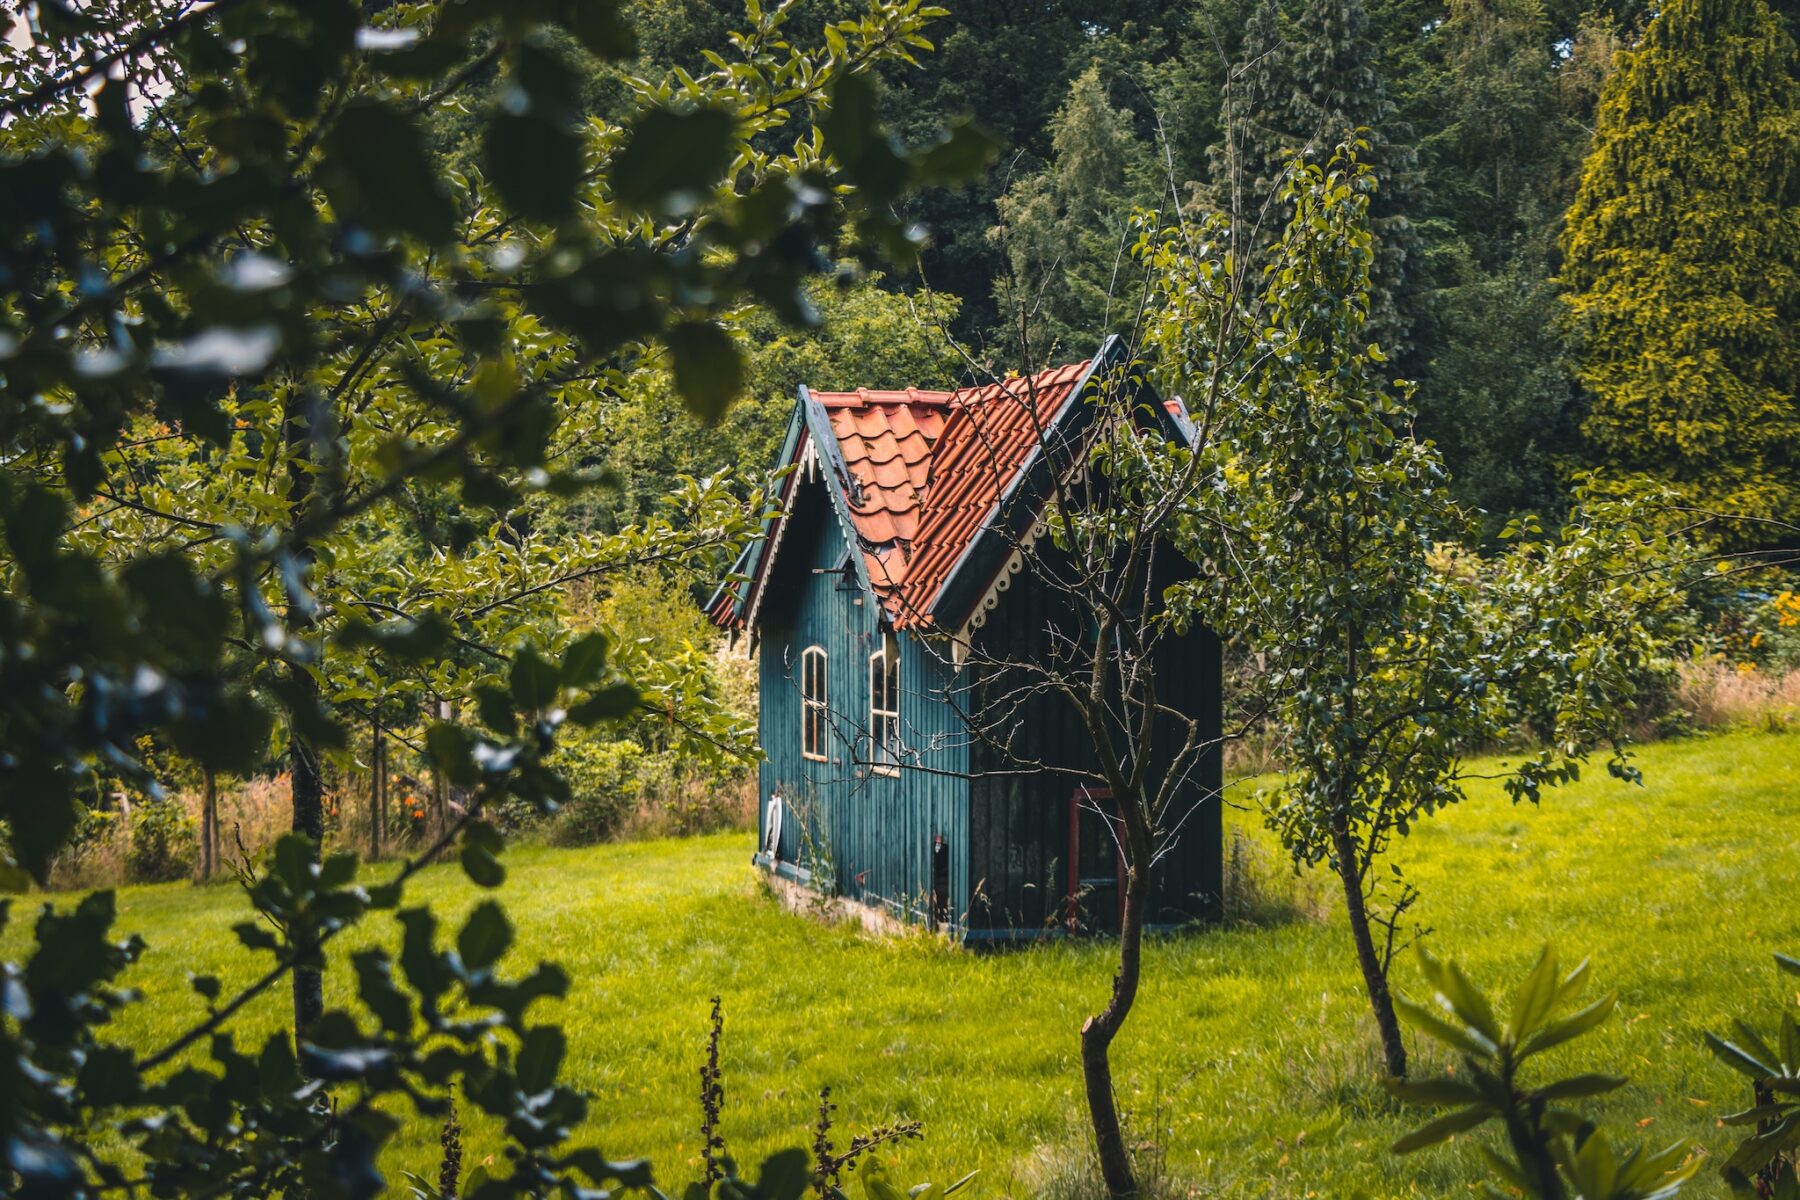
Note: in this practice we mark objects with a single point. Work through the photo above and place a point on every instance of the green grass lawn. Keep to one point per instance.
(1248, 1064)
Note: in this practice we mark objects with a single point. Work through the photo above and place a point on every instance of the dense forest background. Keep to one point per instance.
(1481, 114)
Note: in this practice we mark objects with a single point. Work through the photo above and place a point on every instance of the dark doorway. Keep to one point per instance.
(940, 881)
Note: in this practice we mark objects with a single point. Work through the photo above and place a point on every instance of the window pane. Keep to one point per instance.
(812, 702)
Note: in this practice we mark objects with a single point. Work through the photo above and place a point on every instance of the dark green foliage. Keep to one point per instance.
(256, 1120)
(1305, 80)
(1066, 232)
(606, 780)
(1496, 396)
(1326, 530)
(1501, 124)
(1011, 66)
(252, 345)
(868, 336)
(333, 328)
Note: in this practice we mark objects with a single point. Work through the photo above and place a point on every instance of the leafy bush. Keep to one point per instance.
(1767, 1161)
(164, 843)
(605, 780)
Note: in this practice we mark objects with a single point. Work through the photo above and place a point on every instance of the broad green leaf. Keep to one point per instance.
(671, 155)
(1433, 1132)
(481, 866)
(534, 163)
(610, 703)
(485, 936)
(1555, 1033)
(1578, 1086)
(377, 172)
(960, 157)
(584, 660)
(708, 369)
(1434, 1092)
(533, 680)
(540, 1057)
(1464, 997)
(784, 1175)
(1429, 1023)
(1535, 997)
(1738, 1059)
(451, 748)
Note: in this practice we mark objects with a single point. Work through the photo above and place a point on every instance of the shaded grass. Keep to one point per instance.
(1248, 1067)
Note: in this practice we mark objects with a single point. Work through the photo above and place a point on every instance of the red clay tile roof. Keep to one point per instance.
(928, 469)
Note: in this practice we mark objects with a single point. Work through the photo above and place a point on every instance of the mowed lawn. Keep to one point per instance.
(1248, 1067)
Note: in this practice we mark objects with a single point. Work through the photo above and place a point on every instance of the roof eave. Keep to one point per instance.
(996, 535)
(749, 561)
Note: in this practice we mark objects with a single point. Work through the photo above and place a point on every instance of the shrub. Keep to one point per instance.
(1551, 1151)
(163, 843)
(605, 780)
(619, 789)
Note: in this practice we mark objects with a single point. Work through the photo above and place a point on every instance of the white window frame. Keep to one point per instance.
(813, 707)
(884, 720)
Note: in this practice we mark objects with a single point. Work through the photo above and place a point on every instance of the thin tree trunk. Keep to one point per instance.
(377, 786)
(209, 823)
(1381, 1000)
(308, 791)
(440, 787)
(1098, 1032)
(383, 820)
(308, 788)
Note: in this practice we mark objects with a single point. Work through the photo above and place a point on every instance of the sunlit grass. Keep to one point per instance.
(1248, 1065)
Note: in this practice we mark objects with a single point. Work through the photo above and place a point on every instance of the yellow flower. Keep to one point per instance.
(1787, 609)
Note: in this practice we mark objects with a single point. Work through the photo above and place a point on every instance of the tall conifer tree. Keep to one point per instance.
(1304, 81)
(1683, 262)
(1065, 229)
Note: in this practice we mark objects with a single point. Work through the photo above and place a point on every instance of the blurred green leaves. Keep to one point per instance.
(1767, 1161)
(376, 171)
(672, 158)
(1555, 1153)
(291, 396)
(709, 371)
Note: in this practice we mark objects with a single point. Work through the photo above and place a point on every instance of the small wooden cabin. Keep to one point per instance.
(898, 546)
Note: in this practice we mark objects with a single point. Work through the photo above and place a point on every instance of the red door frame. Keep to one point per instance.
(1072, 901)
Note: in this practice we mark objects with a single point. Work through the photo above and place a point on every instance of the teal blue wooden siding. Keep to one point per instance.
(872, 832)
(869, 835)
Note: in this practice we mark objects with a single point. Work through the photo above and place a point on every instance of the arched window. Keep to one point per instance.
(812, 703)
(884, 709)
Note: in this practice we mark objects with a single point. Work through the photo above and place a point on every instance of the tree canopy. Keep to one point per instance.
(1683, 262)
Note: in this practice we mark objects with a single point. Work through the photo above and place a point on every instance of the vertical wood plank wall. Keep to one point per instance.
(873, 831)
(1019, 823)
